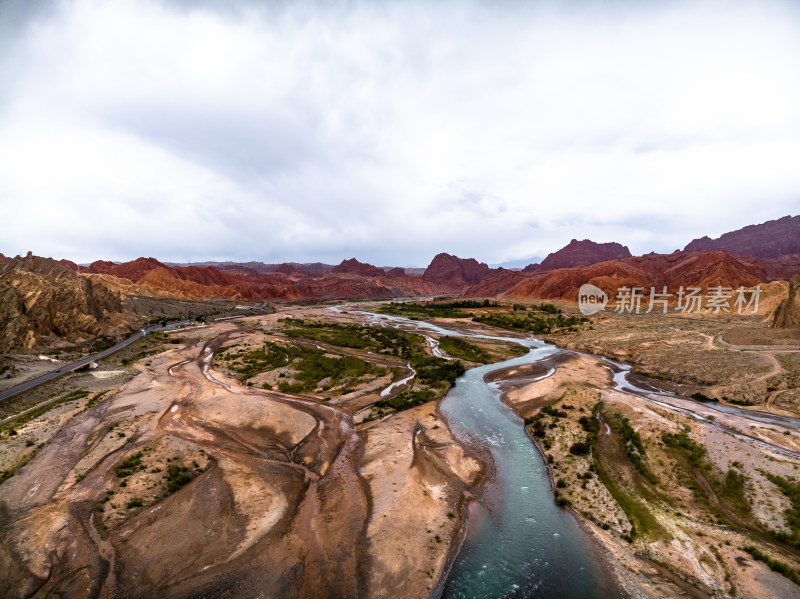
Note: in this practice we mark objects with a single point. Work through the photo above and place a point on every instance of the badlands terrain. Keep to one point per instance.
(290, 440)
(261, 454)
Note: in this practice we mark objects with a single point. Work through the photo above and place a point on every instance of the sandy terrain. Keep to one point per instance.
(418, 480)
(183, 481)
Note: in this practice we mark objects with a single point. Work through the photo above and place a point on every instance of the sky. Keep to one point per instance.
(391, 131)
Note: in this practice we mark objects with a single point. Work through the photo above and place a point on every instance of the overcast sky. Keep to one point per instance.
(391, 131)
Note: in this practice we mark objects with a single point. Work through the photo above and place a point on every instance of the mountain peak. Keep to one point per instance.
(354, 267)
(583, 253)
(456, 272)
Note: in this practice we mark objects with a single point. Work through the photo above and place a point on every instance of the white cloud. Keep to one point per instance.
(393, 131)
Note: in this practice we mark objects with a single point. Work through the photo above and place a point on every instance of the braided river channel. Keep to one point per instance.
(519, 542)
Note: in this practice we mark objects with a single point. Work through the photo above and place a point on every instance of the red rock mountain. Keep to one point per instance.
(495, 284)
(289, 270)
(311, 268)
(532, 267)
(456, 273)
(351, 279)
(354, 267)
(583, 253)
(778, 239)
(68, 264)
(101, 267)
(607, 265)
(699, 269)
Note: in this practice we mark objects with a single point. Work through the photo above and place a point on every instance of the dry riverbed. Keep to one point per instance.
(183, 479)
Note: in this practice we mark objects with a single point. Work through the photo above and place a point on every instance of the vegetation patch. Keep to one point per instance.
(791, 489)
(633, 446)
(420, 311)
(774, 565)
(533, 323)
(433, 372)
(309, 366)
(642, 520)
(538, 421)
(383, 340)
(697, 396)
(406, 400)
(177, 476)
(733, 490)
(693, 451)
(314, 366)
(436, 372)
(730, 490)
(458, 348)
(130, 465)
(33, 414)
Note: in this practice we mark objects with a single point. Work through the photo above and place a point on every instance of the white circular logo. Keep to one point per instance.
(591, 299)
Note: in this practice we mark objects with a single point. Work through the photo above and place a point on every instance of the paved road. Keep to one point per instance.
(73, 366)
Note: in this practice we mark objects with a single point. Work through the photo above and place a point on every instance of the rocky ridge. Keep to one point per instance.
(778, 239)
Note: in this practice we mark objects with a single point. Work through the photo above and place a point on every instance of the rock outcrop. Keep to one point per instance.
(583, 253)
(456, 273)
(43, 302)
(787, 316)
(778, 239)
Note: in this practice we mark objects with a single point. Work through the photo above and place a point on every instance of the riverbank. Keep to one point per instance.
(655, 550)
(420, 481)
(625, 585)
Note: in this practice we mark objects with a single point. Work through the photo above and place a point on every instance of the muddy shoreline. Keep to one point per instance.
(479, 486)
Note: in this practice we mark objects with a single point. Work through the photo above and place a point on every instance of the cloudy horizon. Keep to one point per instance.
(308, 131)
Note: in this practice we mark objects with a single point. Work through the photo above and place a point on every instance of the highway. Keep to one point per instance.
(73, 366)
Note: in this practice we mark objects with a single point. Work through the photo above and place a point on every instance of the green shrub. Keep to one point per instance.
(407, 399)
(701, 397)
(633, 446)
(129, 465)
(791, 489)
(774, 565)
(681, 441)
(177, 477)
(579, 448)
